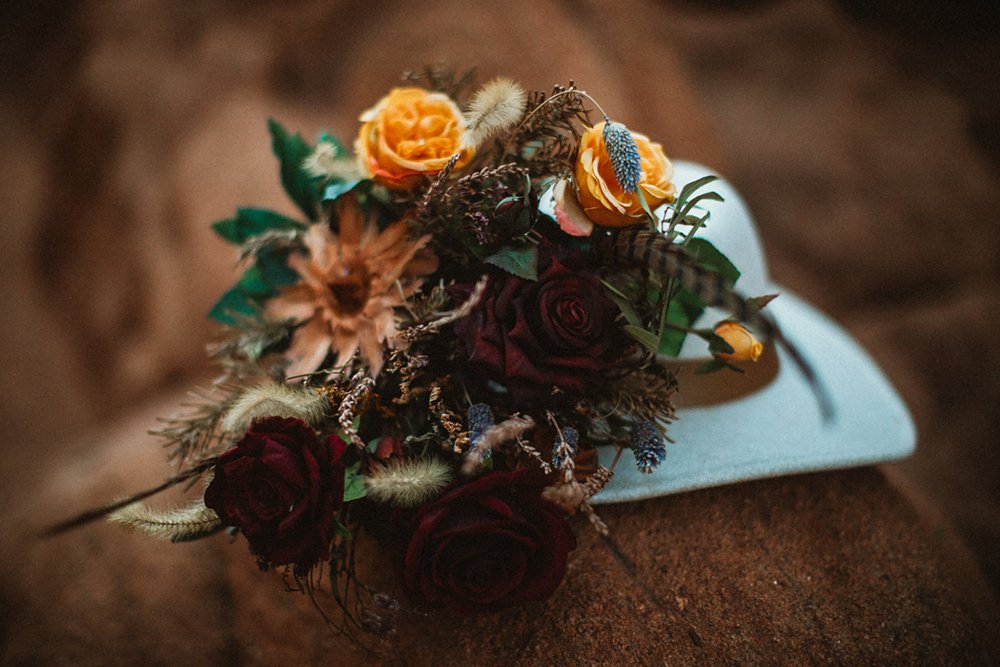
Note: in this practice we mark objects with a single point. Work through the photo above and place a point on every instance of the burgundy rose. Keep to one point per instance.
(557, 331)
(488, 544)
(281, 485)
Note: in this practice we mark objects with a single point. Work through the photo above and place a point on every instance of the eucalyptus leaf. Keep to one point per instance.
(335, 190)
(519, 261)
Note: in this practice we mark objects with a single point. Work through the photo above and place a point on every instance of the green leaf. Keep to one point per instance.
(234, 302)
(522, 262)
(684, 309)
(354, 483)
(694, 201)
(623, 302)
(268, 275)
(344, 532)
(760, 302)
(263, 279)
(691, 187)
(711, 366)
(250, 222)
(292, 151)
(648, 339)
(717, 344)
(708, 256)
(337, 189)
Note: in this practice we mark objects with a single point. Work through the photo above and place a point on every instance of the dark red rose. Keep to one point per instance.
(557, 331)
(281, 485)
(488, 544)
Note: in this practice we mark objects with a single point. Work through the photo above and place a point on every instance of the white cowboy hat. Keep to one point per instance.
(775, 426)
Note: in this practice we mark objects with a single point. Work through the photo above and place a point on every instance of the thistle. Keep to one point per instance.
(647, 446)
(407, 482)
(497, 106)
(624, 155)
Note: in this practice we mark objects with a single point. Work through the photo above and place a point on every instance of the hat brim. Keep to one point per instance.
(778, 429)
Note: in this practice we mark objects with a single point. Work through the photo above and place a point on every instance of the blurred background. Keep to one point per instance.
(865, 137)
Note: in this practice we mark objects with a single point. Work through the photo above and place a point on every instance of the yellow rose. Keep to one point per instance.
(745, 346)
(605, 201)
(410, 133)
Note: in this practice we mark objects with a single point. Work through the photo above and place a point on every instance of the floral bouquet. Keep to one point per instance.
(473, 299)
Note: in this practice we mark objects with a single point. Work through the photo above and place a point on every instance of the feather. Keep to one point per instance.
(495, 107)
(644, 248)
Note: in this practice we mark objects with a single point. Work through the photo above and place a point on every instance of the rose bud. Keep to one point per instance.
(745, 346)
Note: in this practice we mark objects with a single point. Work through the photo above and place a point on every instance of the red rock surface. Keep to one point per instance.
(860, 138)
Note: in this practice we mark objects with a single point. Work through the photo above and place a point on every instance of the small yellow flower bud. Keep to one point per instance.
(745, 346)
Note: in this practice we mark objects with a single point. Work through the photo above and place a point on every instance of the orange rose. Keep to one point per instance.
(603, 198)
(745, 346)
(410, 133)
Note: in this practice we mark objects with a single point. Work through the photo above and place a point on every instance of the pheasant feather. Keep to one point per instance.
(641, 247)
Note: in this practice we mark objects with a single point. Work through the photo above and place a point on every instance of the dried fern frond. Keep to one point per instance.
(442, 79)
(495, 107)
(248, 341)
(179, 524)
(273, 240)
(645, 394)
(272, 399)
(189, 434)
(547, 139)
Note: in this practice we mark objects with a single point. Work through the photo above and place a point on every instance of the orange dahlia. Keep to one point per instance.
(352, 283)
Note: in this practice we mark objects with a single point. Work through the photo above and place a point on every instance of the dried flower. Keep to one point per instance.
(745, 346)
(352, 283)
(647, 446)
(328, 161)
(407, 482)
(272, 399)
(623, 154)
(495, 107)
(179, 524)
